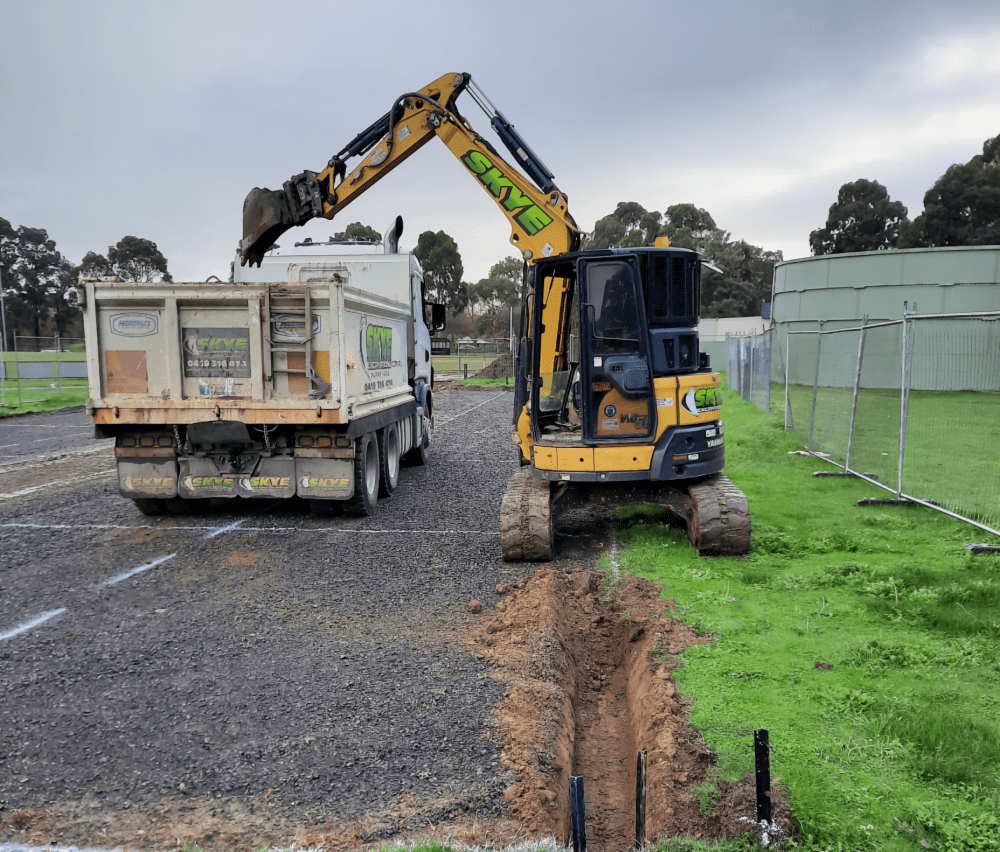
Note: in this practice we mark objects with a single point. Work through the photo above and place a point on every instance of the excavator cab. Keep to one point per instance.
(608, 325)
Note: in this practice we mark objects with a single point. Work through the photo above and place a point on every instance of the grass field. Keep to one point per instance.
(36, 395)
(897, 746)
(947, 432)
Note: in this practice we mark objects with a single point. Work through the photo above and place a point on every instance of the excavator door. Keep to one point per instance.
(616, 383)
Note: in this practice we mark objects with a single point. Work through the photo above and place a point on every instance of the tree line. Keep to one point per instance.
(737, 286)
(962, 208)
(39, 284)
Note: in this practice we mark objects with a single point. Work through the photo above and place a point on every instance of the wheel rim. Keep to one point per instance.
(392, 453)
(371, 468)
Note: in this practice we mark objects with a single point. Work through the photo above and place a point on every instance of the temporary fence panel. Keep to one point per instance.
(749, 367)
(953, 416)
(913, 403)
(833, 392)
(874, 438)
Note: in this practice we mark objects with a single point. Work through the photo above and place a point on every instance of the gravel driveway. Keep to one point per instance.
(243, 675)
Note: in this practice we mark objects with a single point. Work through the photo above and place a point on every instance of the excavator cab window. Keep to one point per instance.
(616, 383)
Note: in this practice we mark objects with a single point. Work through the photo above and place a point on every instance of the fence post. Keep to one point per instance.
(762, 771)
(640, 801)
(17, 361)
(578, 813)
(812, 417)
(904, 395)
(789, 422)
(857, 385)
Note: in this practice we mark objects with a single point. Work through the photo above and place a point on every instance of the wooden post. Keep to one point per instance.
(640, 801)
(762, 763)
(578, 813)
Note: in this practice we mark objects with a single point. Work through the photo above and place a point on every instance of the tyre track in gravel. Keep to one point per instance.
(307, 670)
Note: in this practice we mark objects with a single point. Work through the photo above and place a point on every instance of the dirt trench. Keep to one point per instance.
(588, 676)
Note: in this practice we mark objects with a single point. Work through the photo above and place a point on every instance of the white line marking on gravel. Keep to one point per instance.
(138, 570)
(32, 623)
(34, 426)
(35, 488)
(22, 847)
(186, 528)
(470, 410)
(221, 530)
(57, 458)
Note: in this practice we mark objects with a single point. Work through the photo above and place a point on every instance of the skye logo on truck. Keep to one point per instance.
(376, 343)
(698, 400)
(530, 216)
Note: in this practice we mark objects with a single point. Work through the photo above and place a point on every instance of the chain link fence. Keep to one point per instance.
(41, 368)
(912, 405)
(749, 368)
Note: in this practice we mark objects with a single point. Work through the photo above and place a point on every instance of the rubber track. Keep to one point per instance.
(720, 518)
(526, 519)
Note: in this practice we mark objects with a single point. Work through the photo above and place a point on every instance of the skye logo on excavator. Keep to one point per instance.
(698, 400)
(529, 216)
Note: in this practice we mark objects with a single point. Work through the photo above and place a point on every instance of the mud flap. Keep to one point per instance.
(325, 479)
(147, 478)
(200, 479)
(272, 477)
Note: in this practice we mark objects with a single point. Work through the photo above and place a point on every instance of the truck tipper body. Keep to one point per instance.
(310, 377)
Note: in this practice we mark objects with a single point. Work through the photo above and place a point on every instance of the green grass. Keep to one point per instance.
(940, 425)
(487, 383)
(42, 398)
(902, 735)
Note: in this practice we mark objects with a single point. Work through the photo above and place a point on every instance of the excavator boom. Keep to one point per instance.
(541, 225)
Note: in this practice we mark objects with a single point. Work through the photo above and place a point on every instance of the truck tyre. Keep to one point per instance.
(419, 456)
(366, 476)
(151, 506)
(388, 450)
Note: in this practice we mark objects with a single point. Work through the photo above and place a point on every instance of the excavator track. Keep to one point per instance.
(526, 519)
(718, 521)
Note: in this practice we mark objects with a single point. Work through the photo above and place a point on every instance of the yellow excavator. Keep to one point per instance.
(614, 403)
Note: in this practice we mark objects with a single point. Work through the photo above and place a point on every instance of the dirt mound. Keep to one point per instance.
(498, 368)
(588, 686)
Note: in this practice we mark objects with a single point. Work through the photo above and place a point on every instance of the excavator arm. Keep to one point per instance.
(541, 225)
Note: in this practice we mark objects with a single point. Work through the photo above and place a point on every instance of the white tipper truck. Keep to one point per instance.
(308, 376)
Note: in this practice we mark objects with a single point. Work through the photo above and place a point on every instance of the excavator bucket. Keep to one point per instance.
(266, 216)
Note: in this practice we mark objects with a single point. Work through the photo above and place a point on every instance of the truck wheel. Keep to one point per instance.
(388, 448)
(151, 506)
(366, 476)
(419, 456)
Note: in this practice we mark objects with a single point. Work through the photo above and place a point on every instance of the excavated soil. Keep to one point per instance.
(588, 685)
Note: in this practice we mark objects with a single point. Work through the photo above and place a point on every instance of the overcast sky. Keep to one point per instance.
(155, 119)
